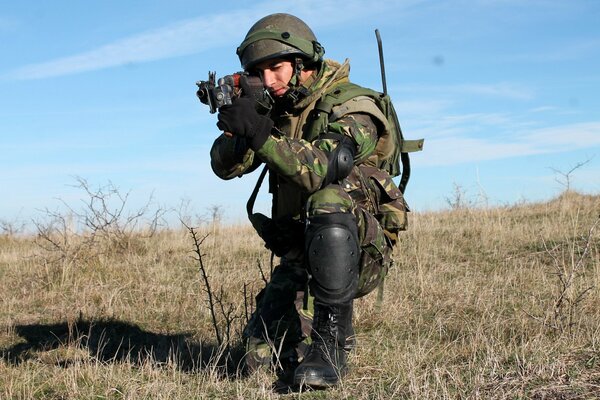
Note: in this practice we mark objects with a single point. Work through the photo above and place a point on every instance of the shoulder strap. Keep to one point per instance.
(347, 98)
(342, 93)
(252, 199)
(336, 96)
(356, 104)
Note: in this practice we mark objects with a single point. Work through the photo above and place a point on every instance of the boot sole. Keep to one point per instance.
(316, 382)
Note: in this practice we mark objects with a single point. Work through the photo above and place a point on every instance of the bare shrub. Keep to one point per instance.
(565, 178)
(223, 313)
(571, 287)
(11, 227)
(101, 224)
(458, 200)
(186, 214)
(215, 214)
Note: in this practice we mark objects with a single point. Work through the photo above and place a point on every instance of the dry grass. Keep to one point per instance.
(471, 311)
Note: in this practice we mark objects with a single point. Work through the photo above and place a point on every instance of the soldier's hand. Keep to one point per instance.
(241, 119)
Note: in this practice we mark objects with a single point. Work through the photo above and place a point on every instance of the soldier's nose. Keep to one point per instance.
(268, 79)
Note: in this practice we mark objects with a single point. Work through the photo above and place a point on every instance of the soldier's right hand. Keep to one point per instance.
(241, 119)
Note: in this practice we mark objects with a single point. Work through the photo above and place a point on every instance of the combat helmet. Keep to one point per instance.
(279, 35)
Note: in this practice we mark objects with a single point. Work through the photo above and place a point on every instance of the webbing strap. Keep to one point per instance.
(379, 299)
(323, 106)
(252, 199)
(358, 104)
(410, 146)
(405, 172)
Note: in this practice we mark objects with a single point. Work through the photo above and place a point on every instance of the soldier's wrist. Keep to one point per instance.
(262, 130)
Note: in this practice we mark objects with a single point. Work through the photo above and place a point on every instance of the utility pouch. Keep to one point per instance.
(392, 208)
(376, 258)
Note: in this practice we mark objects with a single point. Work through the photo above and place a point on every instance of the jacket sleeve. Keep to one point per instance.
(305, 163)
(231, 157)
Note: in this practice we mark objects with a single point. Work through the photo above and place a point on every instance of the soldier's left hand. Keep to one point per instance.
(241, 119)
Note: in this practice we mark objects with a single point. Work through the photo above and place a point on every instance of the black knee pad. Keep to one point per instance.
(333, 252)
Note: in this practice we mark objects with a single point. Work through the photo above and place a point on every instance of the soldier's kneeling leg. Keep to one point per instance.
(276, 322)
(332, 252)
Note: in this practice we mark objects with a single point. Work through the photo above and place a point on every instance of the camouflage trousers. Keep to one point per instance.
(279, 329)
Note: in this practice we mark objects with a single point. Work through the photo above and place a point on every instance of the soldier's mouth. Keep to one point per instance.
(278, 92)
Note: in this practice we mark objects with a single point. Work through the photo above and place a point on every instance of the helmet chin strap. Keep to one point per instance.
(297, 91)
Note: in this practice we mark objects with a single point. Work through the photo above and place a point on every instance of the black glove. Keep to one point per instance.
(241, 119)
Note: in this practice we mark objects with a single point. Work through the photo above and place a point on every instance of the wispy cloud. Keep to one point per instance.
(438, 126)
(421, 107)
(565, 50)
(565, 137)
(506, 90)
(181, 38)
(195, 35)
(542, 109)
(462, 149)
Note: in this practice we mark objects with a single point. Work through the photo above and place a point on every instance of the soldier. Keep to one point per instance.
(336, 211)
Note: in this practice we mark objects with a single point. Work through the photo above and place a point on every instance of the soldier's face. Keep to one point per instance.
(276, 75)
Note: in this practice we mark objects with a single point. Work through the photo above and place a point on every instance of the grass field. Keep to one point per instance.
(494, 303)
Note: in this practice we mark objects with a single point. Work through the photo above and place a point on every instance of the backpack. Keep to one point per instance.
(392, 149)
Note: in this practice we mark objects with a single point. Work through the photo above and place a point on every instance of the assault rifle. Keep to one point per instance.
(218, 93)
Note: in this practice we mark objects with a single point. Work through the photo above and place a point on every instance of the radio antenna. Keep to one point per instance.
(381, 62)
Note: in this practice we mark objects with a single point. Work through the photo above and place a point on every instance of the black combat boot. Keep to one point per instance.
(325, 362)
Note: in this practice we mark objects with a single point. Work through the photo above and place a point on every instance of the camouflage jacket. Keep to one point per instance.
(297, 166)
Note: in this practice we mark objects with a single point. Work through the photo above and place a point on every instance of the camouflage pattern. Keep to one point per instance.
(230, 157)
(279, 320)
(278, 332)
(305, 163)
(297, 167)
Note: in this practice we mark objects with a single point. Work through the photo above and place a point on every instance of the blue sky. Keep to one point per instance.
(502, 91)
